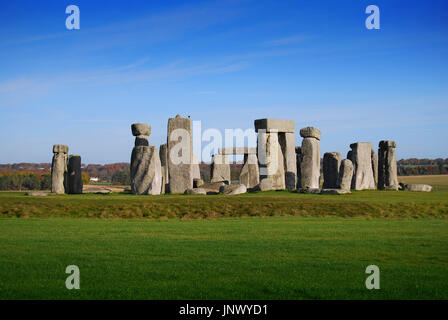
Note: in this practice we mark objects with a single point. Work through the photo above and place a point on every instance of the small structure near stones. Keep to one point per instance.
(276, 152)
(59, 168)
(250, 173)
(180, 154)
(74, 175)
(220, 168)
(146, 170)
(310, 158)
(331, 164)
(387, 165)
(361, 157)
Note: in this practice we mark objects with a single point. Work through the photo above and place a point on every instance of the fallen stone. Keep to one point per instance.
(196, 191)
(37, 194)
(98, 190)
(141, 129)
(197, 183)
(331, 164)
(212, 187)
(418, 187)
(233, 189)
(310, 190)
(334, 191)
(310, 132)
(274, 125)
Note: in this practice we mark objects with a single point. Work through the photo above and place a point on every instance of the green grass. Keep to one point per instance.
(245, 258)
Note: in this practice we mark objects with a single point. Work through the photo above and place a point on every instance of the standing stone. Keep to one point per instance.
(310, 164)
(345, 175)
(362, 163)
(58, 168)
(196, 172)
(146, 171)
(299, 163)
(180, 154)
(374, 160)
(163, 154)
(250, 174)
(220, 169)
(331, 164)
(279, 134)
(387, 166)
(273, 166)
(74, 175)
(288, 145)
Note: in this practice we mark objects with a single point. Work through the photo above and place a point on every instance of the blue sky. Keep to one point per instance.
(225, 63)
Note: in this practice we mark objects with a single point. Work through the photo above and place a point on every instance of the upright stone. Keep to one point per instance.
(271, 160)
(220, 169)
(374, 160)
(250, 174)
(288, 145)
(362, 163)
(146, 169)
(331, 164)
(299, 163)
(180, 154)
(163, 154)
(387, 165)
(345, 175)
(74, 175)
(58, 168)
(310, 165)
(196, 172)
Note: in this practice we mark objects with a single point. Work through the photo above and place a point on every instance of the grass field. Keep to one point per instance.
(276, 245)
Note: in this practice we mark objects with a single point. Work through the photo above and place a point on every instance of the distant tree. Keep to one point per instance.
(85, 177)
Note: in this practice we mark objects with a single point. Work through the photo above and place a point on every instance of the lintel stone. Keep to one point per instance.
(275, 125)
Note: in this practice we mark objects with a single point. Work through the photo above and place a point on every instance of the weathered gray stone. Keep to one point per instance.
(299, 164)
(334, 191)
(163, 154)
(250, 173)
(310, 132)
(331, 164)
(141, 141)
(270, 157)
(60, 148)
(141, 129)
(374, 160)
(180, 154)
(220, 168)
(196, 172)
(310, 164)
(418, 187)
(345, 175)
(387, 166)
(274, 125)
(146, 171)
(233, 189)
(197, 183)
(288, 146)
(59, 169)
(196, 191)
(213, 187)
(74, 175)
(362, 163)
(37, 194)
(265, 185)
(237, 150)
